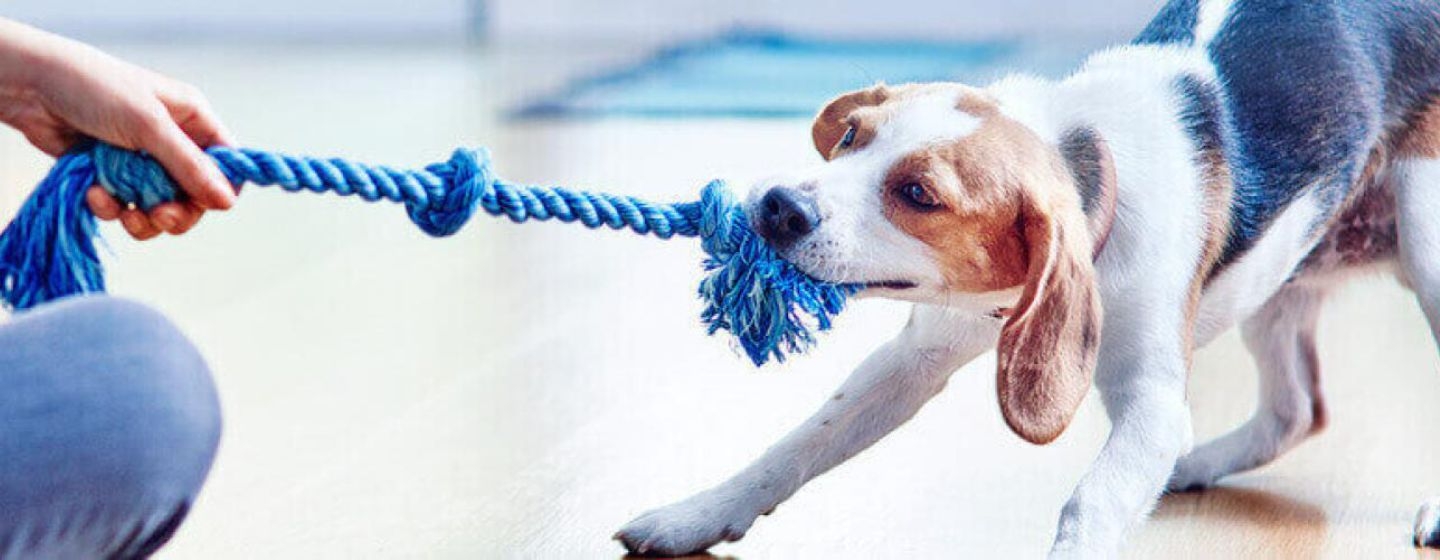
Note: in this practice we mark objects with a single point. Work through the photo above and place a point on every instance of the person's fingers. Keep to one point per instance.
(176, 218)
(192, 169)
(138, 225)
(169, 216)
(192, 214)
(102, 205)
(205, 129)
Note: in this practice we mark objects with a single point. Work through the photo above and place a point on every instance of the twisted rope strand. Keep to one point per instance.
(133, 177)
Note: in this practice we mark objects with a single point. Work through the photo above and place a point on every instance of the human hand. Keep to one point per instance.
(57, 91)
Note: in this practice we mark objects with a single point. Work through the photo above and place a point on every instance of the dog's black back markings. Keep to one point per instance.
(1175, 24)
(1310, 88)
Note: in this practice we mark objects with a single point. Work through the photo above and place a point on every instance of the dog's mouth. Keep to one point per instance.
(891, 285)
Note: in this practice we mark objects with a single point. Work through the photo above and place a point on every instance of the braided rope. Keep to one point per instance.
(440, 197)
(48, 251)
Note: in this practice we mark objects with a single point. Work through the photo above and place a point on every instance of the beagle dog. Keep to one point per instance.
(1230, 166)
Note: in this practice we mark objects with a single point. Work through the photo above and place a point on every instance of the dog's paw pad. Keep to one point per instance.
(684, 528)
(1427, 525)
(644, 538)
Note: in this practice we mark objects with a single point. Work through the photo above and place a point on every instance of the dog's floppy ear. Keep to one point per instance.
(1048, 347)
(830, 125)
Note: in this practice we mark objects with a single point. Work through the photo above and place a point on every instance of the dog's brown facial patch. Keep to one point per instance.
(971, 231)
(976, 181)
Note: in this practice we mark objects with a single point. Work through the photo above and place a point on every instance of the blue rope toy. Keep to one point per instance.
(48, 251)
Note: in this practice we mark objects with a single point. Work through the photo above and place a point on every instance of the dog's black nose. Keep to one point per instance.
(786, 215)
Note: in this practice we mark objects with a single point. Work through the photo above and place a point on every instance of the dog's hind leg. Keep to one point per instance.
(1281, 336)
(1417, 197)
(884, 392)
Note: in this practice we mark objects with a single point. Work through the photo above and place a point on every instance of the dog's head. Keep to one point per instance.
(930, 193)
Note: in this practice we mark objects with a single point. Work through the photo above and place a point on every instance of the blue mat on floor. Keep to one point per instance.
(759, 74)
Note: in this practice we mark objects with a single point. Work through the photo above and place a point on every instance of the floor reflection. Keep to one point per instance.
(1254, 523)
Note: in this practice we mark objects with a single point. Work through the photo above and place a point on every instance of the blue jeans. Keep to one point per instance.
(108, 425)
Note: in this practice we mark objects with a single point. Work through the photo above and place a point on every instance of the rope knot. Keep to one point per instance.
(466, 177)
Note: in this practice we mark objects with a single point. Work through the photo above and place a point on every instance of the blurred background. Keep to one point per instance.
(551, 21)
(523, 391)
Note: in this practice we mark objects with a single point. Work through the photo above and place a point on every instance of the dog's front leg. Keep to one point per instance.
(1141, 377)
(885, 391)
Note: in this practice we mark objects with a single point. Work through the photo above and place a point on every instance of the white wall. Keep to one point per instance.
(168, 20)
(652, 19)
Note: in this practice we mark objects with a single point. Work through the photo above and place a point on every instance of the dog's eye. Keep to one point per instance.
(848, 139)
(919, 196)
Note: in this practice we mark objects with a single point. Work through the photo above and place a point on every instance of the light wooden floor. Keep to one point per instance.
(522, 391)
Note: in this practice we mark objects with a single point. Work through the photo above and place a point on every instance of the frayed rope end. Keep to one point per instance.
(48, 250)
(762, 299)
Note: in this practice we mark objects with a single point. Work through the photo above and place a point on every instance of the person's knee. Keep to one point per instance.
(140, 391)
(109, 419)
(164, 374)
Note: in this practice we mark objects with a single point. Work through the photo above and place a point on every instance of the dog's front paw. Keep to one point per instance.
(686, 527)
